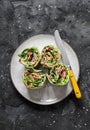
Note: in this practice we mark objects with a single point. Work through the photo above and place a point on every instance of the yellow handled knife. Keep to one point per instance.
(60, 45)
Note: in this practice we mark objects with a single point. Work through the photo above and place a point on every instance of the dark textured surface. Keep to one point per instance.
(22, 19)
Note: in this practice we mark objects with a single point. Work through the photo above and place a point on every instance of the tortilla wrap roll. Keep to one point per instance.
(34, 79)
(50, 56)
(59, 75)
(29, 57)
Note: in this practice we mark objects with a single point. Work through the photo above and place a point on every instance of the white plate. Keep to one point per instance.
(48, 94)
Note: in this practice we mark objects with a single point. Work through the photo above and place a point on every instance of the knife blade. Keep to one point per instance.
(65, 59)
(60, 45)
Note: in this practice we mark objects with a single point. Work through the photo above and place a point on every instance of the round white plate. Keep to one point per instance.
(48, 94)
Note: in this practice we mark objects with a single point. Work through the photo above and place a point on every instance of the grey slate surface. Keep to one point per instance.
(22, 19)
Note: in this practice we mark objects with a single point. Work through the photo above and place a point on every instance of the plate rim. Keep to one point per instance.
(30, 100)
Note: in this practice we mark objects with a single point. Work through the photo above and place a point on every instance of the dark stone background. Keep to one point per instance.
(22, 19)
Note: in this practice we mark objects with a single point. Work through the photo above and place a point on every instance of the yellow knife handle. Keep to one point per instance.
(74, 84)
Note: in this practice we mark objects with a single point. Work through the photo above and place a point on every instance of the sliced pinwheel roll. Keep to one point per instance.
(34, 79)
(29, 57)
(50, 56)
(59, 75)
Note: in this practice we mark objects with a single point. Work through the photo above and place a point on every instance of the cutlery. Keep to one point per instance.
(65, 59)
